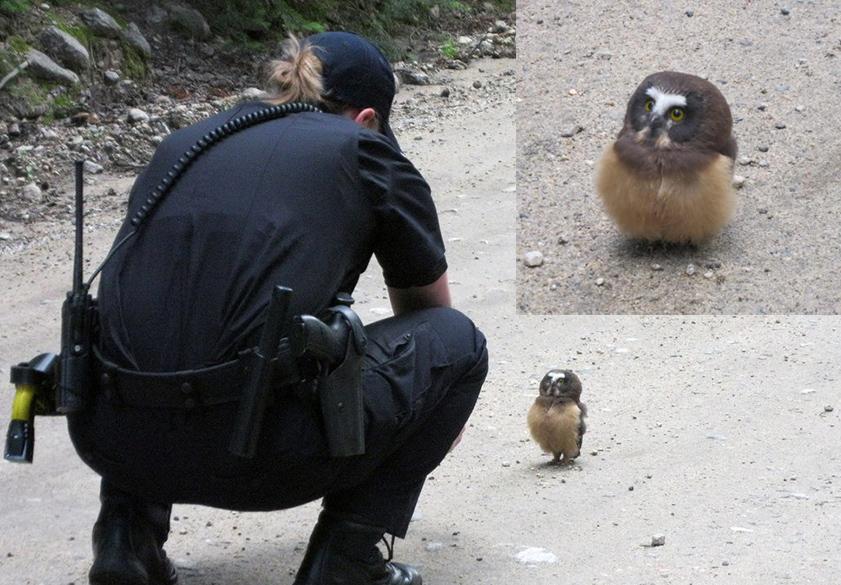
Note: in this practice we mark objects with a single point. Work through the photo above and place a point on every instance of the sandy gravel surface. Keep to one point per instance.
(718, 424)
(578, 63)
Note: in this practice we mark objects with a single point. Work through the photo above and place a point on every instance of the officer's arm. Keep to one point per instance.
(404, 300)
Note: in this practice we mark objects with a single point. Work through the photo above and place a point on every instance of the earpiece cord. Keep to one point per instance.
(190, 155)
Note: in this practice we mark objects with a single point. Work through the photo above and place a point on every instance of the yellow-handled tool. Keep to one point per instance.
(35, 389)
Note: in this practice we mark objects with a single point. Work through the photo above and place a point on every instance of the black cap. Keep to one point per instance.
(356, 73)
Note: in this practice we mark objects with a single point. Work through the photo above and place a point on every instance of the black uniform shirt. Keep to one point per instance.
(301, 201)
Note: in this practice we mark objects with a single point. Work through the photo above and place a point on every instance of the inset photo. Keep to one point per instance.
(679, 158)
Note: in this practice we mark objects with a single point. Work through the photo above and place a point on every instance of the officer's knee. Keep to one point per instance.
(466, 345)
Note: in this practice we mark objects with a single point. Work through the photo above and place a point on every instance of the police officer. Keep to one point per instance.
(302, 201)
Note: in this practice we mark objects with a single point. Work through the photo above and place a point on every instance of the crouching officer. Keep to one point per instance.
(301, 199)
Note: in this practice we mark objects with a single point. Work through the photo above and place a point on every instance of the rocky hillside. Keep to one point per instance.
(107, 84)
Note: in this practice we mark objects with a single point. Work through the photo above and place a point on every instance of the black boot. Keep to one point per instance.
(128, 542)
(343, 551)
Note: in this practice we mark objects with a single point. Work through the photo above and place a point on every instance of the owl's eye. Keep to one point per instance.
(677, 114)
(649, 105)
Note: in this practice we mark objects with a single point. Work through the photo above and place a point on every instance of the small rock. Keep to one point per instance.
(533, 259)
(785, 11)
(5, 236)
(690, 269)
(725, 563)
(738, 181)
(31, 192)
(252, 93)
(690, 13)
(780, 125)
(137, 115)
(656, 267)
(658, 540)
(65, 48)
(13, 130)
(762, 148)
(603, 54)
(709, 274)
(434, 546)
(111, 77)
(828, 408)
(745, 161)
(500, 26)
(445, 92)
(190, 21)
(135, 39)
(101, 23)
(92, 168)
(570, 129)
(412, 77)
(477, 84)
(45, 68)
(600, 281)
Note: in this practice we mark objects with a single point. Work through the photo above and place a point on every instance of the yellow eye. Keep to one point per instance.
(678, 114)
(649, 105)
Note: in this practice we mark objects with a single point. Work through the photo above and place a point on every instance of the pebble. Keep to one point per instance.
(477, 84)
(5, 236)
(533, 555)
(137, 115)
(738, 181)
(32, 192)
(656, 267)
(828, 408)
(785, 11)
(745, 161)
(111, 77)
(658, 540)
(762, 148)
(780, 125)
(445, 92)
(533, 259)
(690, 269)
(434, 546)
(570, 130)
(13, 130)
(690, 13)
(709, 274)
(600, 281)
(92, 167)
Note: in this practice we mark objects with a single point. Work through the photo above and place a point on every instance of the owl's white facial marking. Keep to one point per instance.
(554, 376)
(664, 101)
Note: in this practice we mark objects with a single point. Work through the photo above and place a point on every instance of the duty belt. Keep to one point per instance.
(185, 389)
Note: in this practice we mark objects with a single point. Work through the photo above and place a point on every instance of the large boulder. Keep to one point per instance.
(190, 21)
(135, 39)
(42, 66)
(65, 49)
(101, 23)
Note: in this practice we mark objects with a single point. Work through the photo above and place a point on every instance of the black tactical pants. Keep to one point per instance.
(422, 376)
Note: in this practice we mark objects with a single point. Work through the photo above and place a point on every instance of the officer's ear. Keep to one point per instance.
(366, 117)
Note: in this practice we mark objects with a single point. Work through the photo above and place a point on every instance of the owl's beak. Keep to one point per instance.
(657, 123)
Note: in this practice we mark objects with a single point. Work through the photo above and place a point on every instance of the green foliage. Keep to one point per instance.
(449, 49)
(18, 44)
(133, 64)
(81, 32)
(11, 7)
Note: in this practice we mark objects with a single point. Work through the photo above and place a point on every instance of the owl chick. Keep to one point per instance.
(668, 176)
(556, 419)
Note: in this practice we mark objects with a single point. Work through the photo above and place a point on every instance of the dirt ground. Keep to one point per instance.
(712, 431)
(779, 67)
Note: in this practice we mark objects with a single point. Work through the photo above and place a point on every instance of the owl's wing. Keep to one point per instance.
(730, 149)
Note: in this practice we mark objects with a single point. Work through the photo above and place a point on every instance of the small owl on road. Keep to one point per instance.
(556, 419)
(668, 176)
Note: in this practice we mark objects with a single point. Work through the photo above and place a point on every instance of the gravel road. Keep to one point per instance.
(714, 432)
(779, 67)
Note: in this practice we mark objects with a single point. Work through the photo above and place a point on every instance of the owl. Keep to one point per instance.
(556, 419)
(668, 176)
